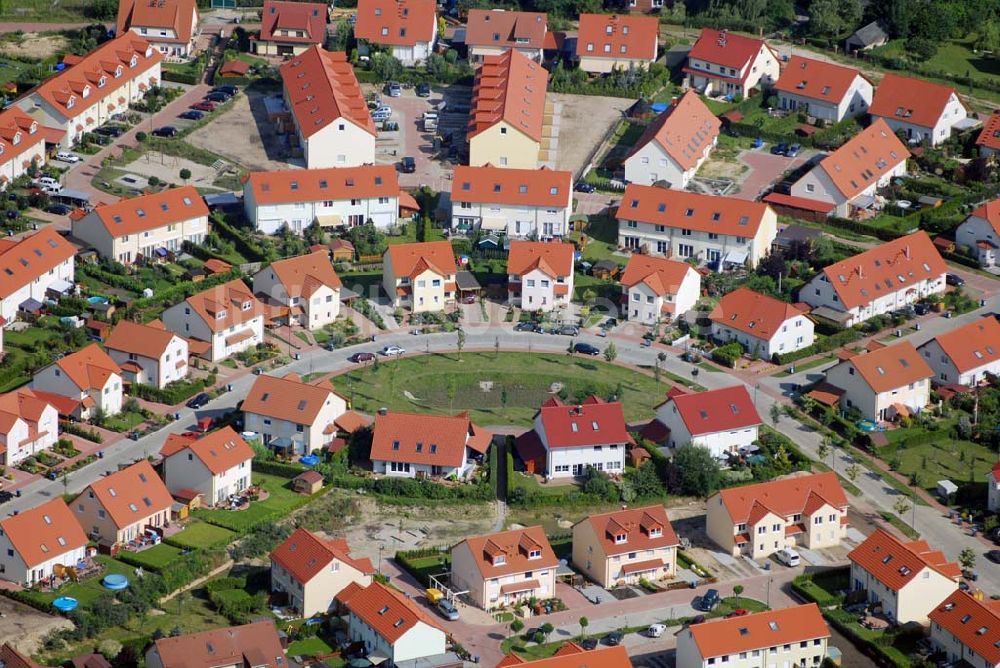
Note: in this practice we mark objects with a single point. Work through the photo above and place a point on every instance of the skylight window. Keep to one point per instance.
(965, 619)
(773, 626)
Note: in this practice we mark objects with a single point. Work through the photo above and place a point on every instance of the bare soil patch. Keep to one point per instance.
(583, 122)
(24, 627)
(34, 45)
(242, 135)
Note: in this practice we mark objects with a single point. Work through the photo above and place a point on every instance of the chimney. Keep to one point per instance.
(383, 411)
(906, 251)
(861, 273)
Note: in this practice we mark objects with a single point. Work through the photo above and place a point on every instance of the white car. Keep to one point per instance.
(787, 556)
(393, 350)
(383, 113)
(49, 182)
(656, 630)
(68, 157)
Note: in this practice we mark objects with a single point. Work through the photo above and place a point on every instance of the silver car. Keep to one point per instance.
(448, 610)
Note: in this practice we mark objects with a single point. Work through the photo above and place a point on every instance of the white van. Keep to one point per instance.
(787, 556)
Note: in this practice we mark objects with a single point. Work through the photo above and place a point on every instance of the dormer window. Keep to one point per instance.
(535, 554)
(219, 315)
(246, 305)
(118, 71)
(71, 102)
(655, 532)
(133, 61)
(102, 81)
(620, 538)
(86, 91)
(16, 139)
(33, 129)
(500, 560)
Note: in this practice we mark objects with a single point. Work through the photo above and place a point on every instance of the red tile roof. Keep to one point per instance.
(89, 368)
(499, 28)
(716, 410)
(317, 185)
(781, 199)
(990, 212)
(304, 555)
(181, 16)
(785, 497)
(594, 422)
(301, 276)
(287, 398)
(320, 87)
(895, 563)
(308, 17)
(19, 133)
(908, 100)
(236, 68)
(413, 259)
(990, 135)
(516, 187)
(44, 533)
(734, 635)
(255, 644)
(552, 258)
(721, 47)
(145, 340)
(572, 655)
(864, 159)
(708, 213)
(891, 367)
(637, 525)
(23, 404)
(131, 494)
(153, 211)
(424, 439)
(386, 610)
(510, 88)
(114, 57)
(663, 276)
(816, 79)
(684, 130)
(30, 258)
(11, 658)
(617, 36)
(885, 269)
(226, 305)
(219, 450)
(396, 22)
(753, 313)
(514, 545)
(972, 345)
(976, 624)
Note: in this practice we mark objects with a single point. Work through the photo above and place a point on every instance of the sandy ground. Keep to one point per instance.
(33, 45)
(25, 627)
(168, 169)
(582, 123)
(241, 135)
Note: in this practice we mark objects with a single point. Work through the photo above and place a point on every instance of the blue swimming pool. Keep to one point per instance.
(65, 604)
(97, 299)
(115, 581)
(309, 460)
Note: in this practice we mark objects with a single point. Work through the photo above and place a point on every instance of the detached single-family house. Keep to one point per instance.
(291, 415)
(492, 32)
(146, 228)
(420, 276)
(540, 274)
(825, 91)
(169, 25)
(989, 137)
(655, 289)
(979, 234)
(758, 520)
(29, 423)
(307, 286)
(606, 42)
(330, 197)
(908, 580)
(148, 354)
(218, 322)
(505, 568)
(880, 280)
(889, 382)
(30, 268)
(795, 636)
(407, 27)
(847, 180)
(22, 142)
(289, 28)
(256, 644)
(866, 37)
(415, 445)
(993, 489)
(311, 570)
(965, 355)
(508, 112)
(390, 624)
(88, 379)
(967, 630)
(333, 126)
(674, 145)
(725, 421)
(521, 203)
(921, 109)
(571, 655)
(124, 505)
(761, 324)
(717, 231)
(37, 542)
(626, 546)
(724, 63)
(216, 465)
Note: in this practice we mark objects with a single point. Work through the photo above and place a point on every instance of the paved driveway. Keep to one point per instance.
(765, 171)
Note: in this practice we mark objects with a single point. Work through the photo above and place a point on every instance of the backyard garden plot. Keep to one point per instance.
(280, 503)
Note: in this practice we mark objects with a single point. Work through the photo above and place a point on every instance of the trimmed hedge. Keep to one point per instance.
(278, 468)
(728, 354)
(172, 395)
(832, 342)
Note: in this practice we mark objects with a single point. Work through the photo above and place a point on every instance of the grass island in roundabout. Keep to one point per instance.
(504, 388)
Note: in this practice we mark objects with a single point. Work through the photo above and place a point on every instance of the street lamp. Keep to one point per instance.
(381, 546)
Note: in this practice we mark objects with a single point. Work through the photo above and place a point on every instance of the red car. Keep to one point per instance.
(204, 105)
(738, 612)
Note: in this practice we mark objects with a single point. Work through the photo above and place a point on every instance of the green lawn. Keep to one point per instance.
(955, 56)
(124, 421)
(520, 383)
(602, 239)
(314, 646)
(281, 502)
(156, 558)
(945, 459)
(805, 366)
(89, 590)
(202, 535)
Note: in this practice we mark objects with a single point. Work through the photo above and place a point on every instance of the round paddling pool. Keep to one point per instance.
(64, 604)
(115, 581)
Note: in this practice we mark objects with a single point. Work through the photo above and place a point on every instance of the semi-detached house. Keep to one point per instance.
(492, 32)
(30, 267)
(214, 466)
(22, 142)
(168, 25)
(124, 505)
(540, 274)
(332, 125)
(626, 546)
(420, 276)
(979, 234)
(520, 203)
(606, 42)
(148, 354)
(655, 289)
(716, 231)
(763, 325)
(36, 542)
(146, 228)
(880, 280)
(85, 95)
(505, 568)
(82, 383)
(218, 322)
(292, 416)
(758, 520)
(330, 197)
(725, 421)
(28, 424)
(924, 111)
(255, 644)
(290, 28)
(966, 354)
(885, 383)
(414, 445)
(306, 286)
(967, 630)
(674, 146)
(989, 137)
(407, 27)
(311, 570)
(823, 90)
(724, 63)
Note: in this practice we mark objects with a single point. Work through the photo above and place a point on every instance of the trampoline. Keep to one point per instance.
(115, 582)
(65, 604)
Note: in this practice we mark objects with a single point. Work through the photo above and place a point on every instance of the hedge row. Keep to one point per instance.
(189, 78)
(832, 342)
(172, 394)
(277, 468)
(958, 258)
(81, 431)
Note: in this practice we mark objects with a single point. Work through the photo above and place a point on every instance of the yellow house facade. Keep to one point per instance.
(503, 145)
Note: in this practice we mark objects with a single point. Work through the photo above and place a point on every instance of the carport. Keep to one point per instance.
(467, 284)
(72, 197)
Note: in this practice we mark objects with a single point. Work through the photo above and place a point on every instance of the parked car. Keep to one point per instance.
(423, 90)
(381, 114)
(787, 556)
(48, 182)
(921, 308)
(218, 97)
(738, 612)
(469, 299)
(697, 619)
(198, 401)
(66, 156)
(656, 630)
(779, 149)
(569, 330)
(110, 131)
(526, 327)
(993, 555)
(407, 165)
(165, 131)
(393, 89)
(60, 209)
(586, 349)
(448, 610)
(231, 91)
(393, 350)
(793, 151)
(357, 358)
(954, 279)
(614, 638)
(204, 105)
(709, 600)
(589, 643)
(191, 115)
(584, 187)
(610, 323)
